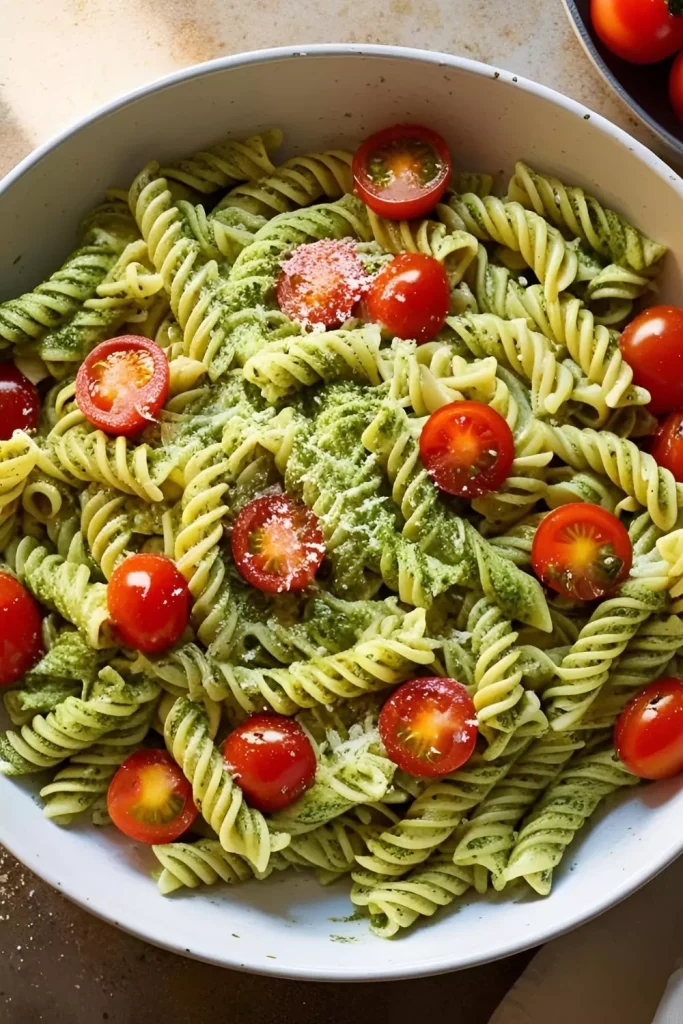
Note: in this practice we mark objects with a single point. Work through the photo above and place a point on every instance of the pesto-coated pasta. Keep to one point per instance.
(326, 411)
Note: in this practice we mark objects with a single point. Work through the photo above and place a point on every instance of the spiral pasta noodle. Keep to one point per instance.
(106, 232)
(429, 821)
(282, 367)
(583, 216)
(631, 469)
(602, 640)
(563, 809)
(489, 835)
(299, 181)
(227, 162)
(525, 351)
(239, 828)
(592, 346)
(75, 724)
(85, 779)
(454, 249)
(66, 586)
(542, 246)
(385, 658)
(397, 904)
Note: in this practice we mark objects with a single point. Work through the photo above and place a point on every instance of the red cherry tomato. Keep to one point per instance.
(122, 384)
(150, 799)
(667, 444)
(402, 172)
(410, 297)
(676, 85)
(149, 602)
(467, 449)
(640, 31)
(648, 736)
(271, 759)
(582, 551)
(21, 641)
(19, 402)
(429, 726)
(277, 544)
(652, 344)
(321, 282)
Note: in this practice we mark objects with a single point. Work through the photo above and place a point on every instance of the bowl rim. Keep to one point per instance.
(578, 23)
(21, 848)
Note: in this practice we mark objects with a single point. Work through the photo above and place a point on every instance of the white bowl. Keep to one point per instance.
(333, 96)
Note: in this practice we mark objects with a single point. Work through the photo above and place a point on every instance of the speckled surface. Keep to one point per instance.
(58, 60)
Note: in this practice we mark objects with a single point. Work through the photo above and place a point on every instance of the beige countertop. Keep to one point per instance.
(58, 60)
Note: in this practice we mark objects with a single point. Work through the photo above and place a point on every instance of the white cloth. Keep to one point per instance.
(613, 970)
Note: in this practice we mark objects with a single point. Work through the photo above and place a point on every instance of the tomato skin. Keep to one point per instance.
(277, 544)
(149, 602)
(582, 551)
(676, 86)
(122, 384)
(429, 726)
(640, 31)
(402, 151)
(652, 345)
(19, 402)
(410, 297)
(147, 787)
(321, 282)
(667, 444)
(648, 736)
(467, 448)
(271, 759)
(21, 641)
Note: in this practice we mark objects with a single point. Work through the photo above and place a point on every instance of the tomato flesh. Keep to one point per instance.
(648, 736)
(667, 444)
(410, 297)
(652, 345)
(149, 798)
(122, 384)
(467, 448)
(429, 726)
(21, 641)
(149, 602)
(271, 759)
(402, 172)
(277, 544)
(321, 282)
(19, 402)
(640, 31)
(582, 551)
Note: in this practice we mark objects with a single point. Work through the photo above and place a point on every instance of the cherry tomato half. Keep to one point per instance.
(321, 282)
(19, 402)
(402, 172)
(429, 726)
(410, 297)
(648, 736)
(150, 799)
(467, 448)
(582, 551)
(149, 602)
(122, 384)
(667, 444)
(676, 85)
(640, 31)
(21, 641)
(271, 759)
(277, 544)
(652, 345)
